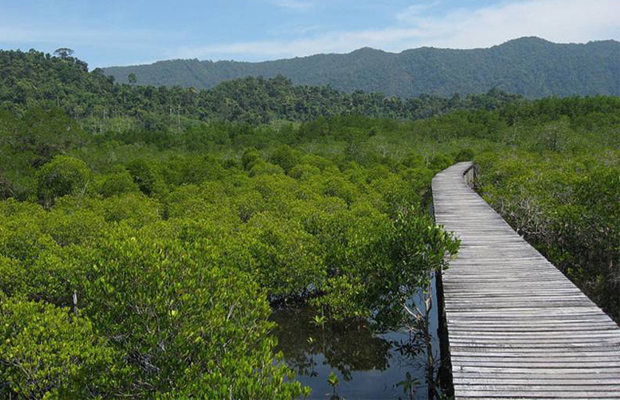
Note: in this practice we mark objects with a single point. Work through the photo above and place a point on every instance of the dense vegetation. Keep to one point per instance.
(37, 79)
(530, 67)
(140, 262)
(166, 260)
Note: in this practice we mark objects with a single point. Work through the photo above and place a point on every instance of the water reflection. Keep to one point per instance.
(368, 364)
(348, 348)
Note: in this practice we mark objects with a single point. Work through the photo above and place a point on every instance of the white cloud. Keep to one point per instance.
(294, 30)
(296, 5)
(415, 11)
(555, 20)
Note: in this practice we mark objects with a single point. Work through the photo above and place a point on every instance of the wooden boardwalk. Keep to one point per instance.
(517, 327)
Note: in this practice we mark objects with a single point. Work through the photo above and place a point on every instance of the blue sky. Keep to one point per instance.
(114, 32)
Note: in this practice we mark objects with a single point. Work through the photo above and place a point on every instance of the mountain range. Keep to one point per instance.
(528, 66)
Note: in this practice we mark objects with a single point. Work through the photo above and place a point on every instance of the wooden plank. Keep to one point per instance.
(517, 327)
(468, 393)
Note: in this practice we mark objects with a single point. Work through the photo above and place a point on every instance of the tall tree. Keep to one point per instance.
(63, 52)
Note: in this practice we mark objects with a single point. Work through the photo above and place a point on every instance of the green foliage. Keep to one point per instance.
(144, 174)
(46, 353)
(101, 106)
(250, 157)
(133, 209)
(409, 385)
(178, 284)
(42, 133)
(332, 380)
(190, 323)
(60, 177)
(464, 155)
(440, 162)
(288, 259)
(117, 184)
(22, 239)
(265, 168)
(285, 157)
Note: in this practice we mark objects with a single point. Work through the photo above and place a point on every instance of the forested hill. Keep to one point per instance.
(529, 66)
(34, 79)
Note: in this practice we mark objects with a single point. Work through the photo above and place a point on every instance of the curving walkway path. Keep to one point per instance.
(517, 327)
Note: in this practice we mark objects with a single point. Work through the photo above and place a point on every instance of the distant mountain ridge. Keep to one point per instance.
(528, 66)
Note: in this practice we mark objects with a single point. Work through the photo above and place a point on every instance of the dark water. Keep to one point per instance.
(369, 364)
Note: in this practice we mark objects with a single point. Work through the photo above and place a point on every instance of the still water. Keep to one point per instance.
(369, 364)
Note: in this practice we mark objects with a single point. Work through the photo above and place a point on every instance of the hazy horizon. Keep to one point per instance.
(120, 33)
(360, 48)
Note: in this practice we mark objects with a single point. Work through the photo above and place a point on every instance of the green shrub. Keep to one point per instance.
(265, 168)
(303, 171)
(189, 323)
(119, 183)
(22, 239)
(464, 155)
(250, 157)
(285, 157)
(288, 259)
(60, 177)
(440, 162)
(134, 208)
(46, 353)
(145, 175)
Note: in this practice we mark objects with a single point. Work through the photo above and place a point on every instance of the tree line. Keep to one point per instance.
(33, 78)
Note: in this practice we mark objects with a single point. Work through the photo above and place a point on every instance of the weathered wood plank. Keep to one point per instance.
(517, 327)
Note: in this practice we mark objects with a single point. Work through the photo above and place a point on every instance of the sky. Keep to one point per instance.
(125, 32)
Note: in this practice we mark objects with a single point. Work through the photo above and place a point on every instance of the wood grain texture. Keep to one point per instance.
(517, 327)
